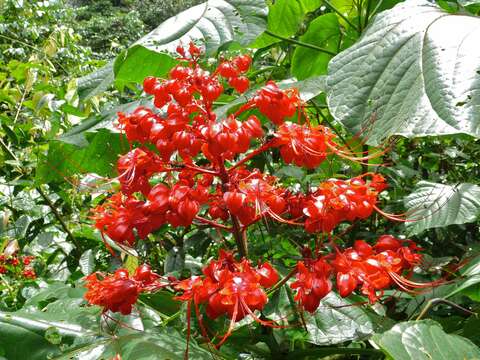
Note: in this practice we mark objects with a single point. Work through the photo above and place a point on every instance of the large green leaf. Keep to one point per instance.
(214, 23)
(324, 32)
(434, 205)
(96, 82)
(284, 19)
(425, 340)
(16, 337)
(469, 279)
(65, 160)
(338, 320)
(410, 74)
(138, 62)
(161, 345)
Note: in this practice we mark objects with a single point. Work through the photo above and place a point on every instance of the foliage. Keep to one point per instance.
(398, 75)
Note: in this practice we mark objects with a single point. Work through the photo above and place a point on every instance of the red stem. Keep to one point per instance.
(213, 223)
(254, 153)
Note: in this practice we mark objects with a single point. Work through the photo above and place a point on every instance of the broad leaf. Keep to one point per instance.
(87, 262)
(96, 82)
(323, 32)
(214, 23)
(16, 337)
(338, 320)
(434, 205)
(65, 160)
(424, 340)
(410, 75)
(138, 62)
(469, 279)
(284, 19)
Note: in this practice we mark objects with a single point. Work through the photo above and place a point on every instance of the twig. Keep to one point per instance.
(58, 216)
(282, 282)
(342, 16)
(435, 301)
(300, 43)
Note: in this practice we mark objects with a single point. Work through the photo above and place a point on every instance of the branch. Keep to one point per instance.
(58, 216)
(300, 43)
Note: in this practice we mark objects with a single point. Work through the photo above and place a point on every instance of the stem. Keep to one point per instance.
(213, 223)
(367, 13)
(282, 282)
(238, 233)
(254, 153)
(300, 43)
(58, 216)
(435, 301)
(326, 2)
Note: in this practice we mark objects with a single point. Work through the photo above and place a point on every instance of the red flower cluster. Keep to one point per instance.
(313, 283)
(119, 291)
(375, 268)
(339, 200)
(231, 288)
(275, 103)
(303, 145)
(17, 266)
(370, 268)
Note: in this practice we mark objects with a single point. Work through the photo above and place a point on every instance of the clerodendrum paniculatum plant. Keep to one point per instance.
(186, 167)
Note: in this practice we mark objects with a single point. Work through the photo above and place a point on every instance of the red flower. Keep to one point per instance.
(303, 145)
(228, 287)
(29, 273)
(118, 292)
(313, 283)
(275, 103)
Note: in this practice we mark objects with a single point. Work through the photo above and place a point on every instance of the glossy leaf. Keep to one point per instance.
(410, 75)
(138, 62)
(424, 340)
(436, 205)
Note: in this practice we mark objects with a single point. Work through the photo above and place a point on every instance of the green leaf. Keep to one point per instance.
(162, 345)
(338, 320)
(16, 336)
(214, 23)
(409, 75)
(64, 160)
(286, 16)
(434, 205)
(96, 82)
(323, 32)
(138, 62)
(424, 340)
(469, 280)
(87, 262)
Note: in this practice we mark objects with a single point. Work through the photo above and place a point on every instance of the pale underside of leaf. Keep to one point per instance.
(434, 205)
(414, 72)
